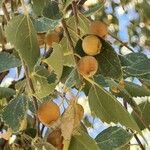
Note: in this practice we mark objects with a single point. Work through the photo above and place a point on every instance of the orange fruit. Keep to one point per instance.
(91, 45)
(51, 38)
(98, 28)
(48, 112)
(87, 66)
(55, 138)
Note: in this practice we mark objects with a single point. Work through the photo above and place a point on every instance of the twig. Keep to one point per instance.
(135, 136)
(138, 141)
(75, 12)
(6, 14)
(124, 44)
(142, 120)
(42, 129)
(30, 83)
(67, 34)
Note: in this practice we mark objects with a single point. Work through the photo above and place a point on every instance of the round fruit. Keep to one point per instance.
(91, 45)
(87, 66)
(98, 28)
(51, 38)
(55, 138)
(48, 112)
(79, 112)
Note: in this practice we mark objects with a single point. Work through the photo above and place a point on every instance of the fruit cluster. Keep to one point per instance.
(92, 46)
(48, 113)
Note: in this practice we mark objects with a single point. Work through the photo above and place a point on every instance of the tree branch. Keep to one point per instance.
(75, 12)
(6, 14)
(67, 34)
(122, 43)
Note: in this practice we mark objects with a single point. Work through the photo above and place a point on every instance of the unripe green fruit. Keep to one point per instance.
(91, 45)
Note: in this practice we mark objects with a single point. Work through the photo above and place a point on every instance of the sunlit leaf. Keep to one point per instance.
(83, 142)
(21, 34)
(56, 60)
(108, 109)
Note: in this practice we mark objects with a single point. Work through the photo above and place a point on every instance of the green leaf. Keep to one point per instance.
(6, 92)
(69, 59)
(38, 6)
(135, 90)
(73, 79)
(109, 63)
(15, 112)
(83, 26)
(44, 24)
(8, 61)
(51, 10)
(113, 138)
(138, 69)
(99, 79)
(56, 60)
(42, 87)
(136, 57)
(20, 33)
(145, 109)
(108, 109)
(83, 142)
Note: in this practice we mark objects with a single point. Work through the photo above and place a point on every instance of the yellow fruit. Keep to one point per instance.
(87, 66)
(51, 38)
(98, 28)
(55, 138)
(91, 45)
(48, 112)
